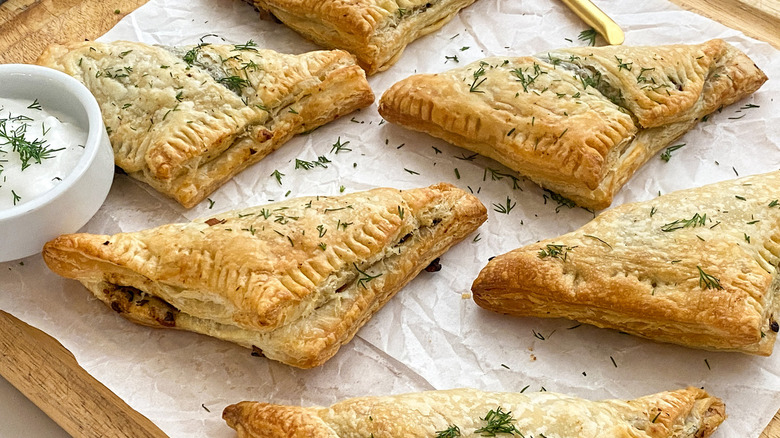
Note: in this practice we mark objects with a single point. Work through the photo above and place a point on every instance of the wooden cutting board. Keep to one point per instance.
(38, 365)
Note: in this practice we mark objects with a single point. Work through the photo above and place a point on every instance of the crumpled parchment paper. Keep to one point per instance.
(431, 335)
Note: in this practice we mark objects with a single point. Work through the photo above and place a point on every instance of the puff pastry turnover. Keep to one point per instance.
(685, 413)
(294, 280)
(186, 119)
(696, 267)
(577, 121)
(375, 31)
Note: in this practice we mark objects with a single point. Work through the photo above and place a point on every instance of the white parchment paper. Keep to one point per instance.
(430, 336)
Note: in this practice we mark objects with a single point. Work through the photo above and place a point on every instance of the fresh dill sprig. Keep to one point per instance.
(306, 165)
(505, 209)
(340, 147)
(30, 151)
(35, 105)
(560, 199)
(588, 36)
(696, 221)
(365, 278)
(478, 73)
(450, 432)
(497, 421)
(234, 83)
(667, 154)
(527, 79)
(641, 77)
(278, 175)
(192, 55)
(465, 157)
(248, 46)
(624, 65)
(558, 251)
(707, 281)
(600, 240)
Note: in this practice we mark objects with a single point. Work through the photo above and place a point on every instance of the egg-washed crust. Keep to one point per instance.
(187, 119)
(375, 31)
(294, 280)
(578, 121)
(684, 413)
(696, 267)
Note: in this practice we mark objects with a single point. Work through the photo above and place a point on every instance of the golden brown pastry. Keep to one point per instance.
(294, 279)
(696, 267)
(187, 119)
(375, 31)
(685, 413)
(577, 121)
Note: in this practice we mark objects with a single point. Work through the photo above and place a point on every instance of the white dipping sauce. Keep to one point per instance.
(26, 123)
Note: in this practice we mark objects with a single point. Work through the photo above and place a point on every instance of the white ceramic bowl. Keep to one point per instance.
(24, 228)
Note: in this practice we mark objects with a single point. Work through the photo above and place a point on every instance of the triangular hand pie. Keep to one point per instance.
(187, 119)
(294, 279)
(684, 413)
(577, 121)
(696, 267)
(375, 31)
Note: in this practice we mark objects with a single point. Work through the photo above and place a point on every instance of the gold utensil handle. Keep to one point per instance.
(597, 19)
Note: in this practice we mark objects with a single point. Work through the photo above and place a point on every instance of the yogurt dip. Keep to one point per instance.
(38, 149)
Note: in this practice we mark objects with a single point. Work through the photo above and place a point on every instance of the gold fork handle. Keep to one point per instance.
(597, 19)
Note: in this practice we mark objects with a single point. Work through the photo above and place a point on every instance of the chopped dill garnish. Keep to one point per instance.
(497, 421)
(667, 154)
(248, 46)
(588, 36)
(366, 278)
(478, 74)
(306, 165)
(624, 65)
(450, 432)
(192, 55)
(465, 157)
(505, 209)
(29, 151)
(562, 201)
(234, 83)
(695, 221)
(278, 175)
(558, 251)
(707, 281)
(35, 105)
(596, 238)
(340, 147)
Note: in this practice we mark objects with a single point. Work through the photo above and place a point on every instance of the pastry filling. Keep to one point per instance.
(404, 13)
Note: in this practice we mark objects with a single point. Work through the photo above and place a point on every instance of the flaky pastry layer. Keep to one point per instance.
(375, 31)
(187, 119)
(684, 413)
(696, 267)
(578, 121)
(293, 280)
